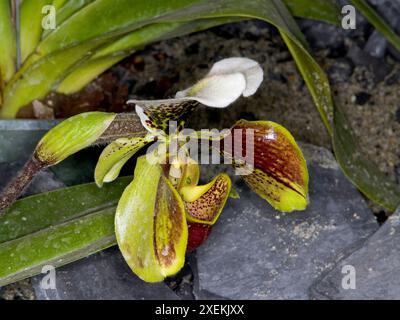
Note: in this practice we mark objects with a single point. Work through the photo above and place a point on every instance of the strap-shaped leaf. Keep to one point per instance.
(204, 203)
(112, 53)
(150, 224)
(57, 227)
(115, 155)
(280, 173)
(31, 25)
(8, 50)
(323, 10)
(379, 23)
(35, 80)
(66, 10)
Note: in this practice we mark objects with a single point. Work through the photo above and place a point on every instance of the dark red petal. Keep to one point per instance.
(198, 233)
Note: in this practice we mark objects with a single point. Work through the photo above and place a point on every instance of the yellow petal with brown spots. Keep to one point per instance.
(204, 203)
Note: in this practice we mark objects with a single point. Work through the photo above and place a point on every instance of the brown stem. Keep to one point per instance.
(124, 125)
(13, 190)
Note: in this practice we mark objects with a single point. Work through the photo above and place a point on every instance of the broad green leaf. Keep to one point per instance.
(110, 54)
(380, 24)
(37, 212)
(107, 56)
(59, 3)
(66, 10)
(89, 23)
(115, 155)
(31, 29)
(56, 228)
(323, 10)
(72, 135)
(56, 246)
(8, 50)
(35, 81)
(87, 72)
(150, 224)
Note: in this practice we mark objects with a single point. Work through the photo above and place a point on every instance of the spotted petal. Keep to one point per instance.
(157, 114)
(150, 224)
(279, 172)
(204, 203)
(115, 155)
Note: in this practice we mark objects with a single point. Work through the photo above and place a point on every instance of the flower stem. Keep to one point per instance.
(14, 189)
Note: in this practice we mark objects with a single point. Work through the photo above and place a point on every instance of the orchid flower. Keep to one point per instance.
(164, 211)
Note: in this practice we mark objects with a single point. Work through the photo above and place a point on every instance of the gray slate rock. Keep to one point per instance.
(102, 276)
(376, 265)
(255, 252)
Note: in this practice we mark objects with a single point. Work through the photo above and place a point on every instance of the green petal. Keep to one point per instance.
(204, 203)
(115, 155)
(150, 224)
(280, 173)
(72, 135)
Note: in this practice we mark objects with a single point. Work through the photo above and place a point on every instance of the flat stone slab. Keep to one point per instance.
(255, 252)
(102, 276)
(375, 268)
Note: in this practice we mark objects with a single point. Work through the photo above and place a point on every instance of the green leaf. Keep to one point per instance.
(36, 80)
(323, 10)
(380, 24)
(66, 10)
(31, 29)
(362, 172)
(110, 54)
(56, 228)
(8, 50)
(150, 224)
(89, 23)
(59, 3)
